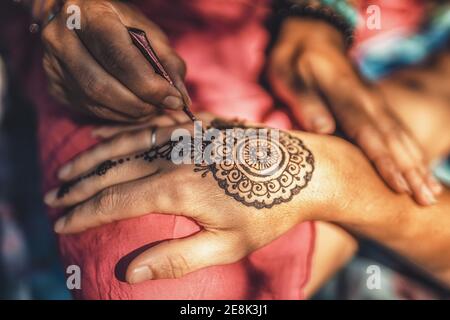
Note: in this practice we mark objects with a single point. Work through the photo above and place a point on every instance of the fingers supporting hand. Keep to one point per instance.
(110, 43)
(103, 73)
(88, 81)
(396, 157)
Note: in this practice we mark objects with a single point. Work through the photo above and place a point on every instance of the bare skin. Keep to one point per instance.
(311, 71)
(424, 179)
(96, 70)
(426, 99)
(393, 220)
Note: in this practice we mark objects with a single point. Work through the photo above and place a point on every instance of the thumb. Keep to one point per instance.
(173, 259)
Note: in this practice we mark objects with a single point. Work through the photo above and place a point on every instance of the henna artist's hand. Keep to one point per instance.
(97, 70)
(311, 72)
(240, 206)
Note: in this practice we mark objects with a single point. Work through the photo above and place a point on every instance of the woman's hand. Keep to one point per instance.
(240, 206)
(97, 69)
(311, 72)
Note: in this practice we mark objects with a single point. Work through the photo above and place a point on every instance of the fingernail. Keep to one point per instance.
(172, 102)
(321, 125)
(59, 225)
(435, 185)
(429, 196)
(402, 183)
(65, 171)
(50, 197)
(140, 274)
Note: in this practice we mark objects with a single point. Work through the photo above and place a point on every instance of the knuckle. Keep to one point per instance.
(105, 201)
(123, 139)
(46, 63)
(92, 87)
(47, 35)
(362, 132)
(177, 265)
(391, 131)
(113, 56)
(138, 111)
(96, 110)
(154, 88)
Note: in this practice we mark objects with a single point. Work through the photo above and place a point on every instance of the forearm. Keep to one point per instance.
(420, 234)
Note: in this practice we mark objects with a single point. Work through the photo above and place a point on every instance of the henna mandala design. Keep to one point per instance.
(260, 172)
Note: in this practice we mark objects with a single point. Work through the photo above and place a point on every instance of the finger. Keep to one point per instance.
(372, 143)
(401, 177)
(422, 193)
(107, 174)
(312, 114)
(81, 105)
(63, 87)
(111, 45)
(58, 92)
(175, 258)
(382, 141)
(119, 146)
(414, 149)
(163, 120)
(406, 159)
(158, 194)
(93, 81)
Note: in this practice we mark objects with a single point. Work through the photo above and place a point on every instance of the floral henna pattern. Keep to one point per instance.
(260, 171)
